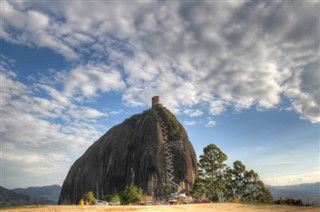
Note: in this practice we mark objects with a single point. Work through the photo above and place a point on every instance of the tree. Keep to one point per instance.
(246, 185)
(262, 194)
(211, 173)
(218, 182)
(237, 179)
(89, 198)
(199, 187)
(131, 194)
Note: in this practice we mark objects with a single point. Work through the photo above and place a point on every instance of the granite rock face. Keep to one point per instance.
(150, 150)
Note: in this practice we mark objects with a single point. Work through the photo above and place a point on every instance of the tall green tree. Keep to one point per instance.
(238, 178)
(211, 173)
(245, 185)
(199, 185)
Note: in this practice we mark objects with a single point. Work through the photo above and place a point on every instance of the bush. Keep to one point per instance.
(131, 194)
(89, 198)
(289, 201)
(112, 198)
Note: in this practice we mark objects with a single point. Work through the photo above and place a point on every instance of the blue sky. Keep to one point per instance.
(243, 75)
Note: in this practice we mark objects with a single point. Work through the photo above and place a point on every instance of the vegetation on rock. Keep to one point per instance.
(173, 123)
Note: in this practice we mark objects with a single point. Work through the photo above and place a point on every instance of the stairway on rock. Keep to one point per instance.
(168, 154)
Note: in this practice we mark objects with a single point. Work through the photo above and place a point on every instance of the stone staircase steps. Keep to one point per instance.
(168, 154)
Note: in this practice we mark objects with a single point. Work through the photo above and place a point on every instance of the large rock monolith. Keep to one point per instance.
(150, 150)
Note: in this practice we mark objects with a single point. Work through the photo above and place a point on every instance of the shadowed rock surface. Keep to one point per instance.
(150, 150)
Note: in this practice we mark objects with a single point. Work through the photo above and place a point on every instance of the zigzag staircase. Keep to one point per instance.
(168, 154)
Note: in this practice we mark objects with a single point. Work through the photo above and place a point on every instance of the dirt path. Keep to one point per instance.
(221, 207)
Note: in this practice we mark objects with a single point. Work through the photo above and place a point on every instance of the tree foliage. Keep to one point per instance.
(246, 185)
(131, 194)
(199, 187)
(89, 198)
(219, 182)
(211, 171)
(112, 198)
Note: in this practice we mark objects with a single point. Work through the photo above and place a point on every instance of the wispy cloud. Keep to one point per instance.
(293, 179)
(210, 123)
(87, 80)
(193, 113)
(189, 123)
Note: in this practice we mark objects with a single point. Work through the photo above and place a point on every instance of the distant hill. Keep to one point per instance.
(10, 198)
(29, 196)
(51, 192)
(309, 193)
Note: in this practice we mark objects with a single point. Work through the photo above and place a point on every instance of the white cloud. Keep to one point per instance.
(303, 90)
(54, 93)
(88, 80)
(217, 106)
(31, 144)
(9, 87)
(211, 123)
(193, 113)
(292, 179)
(37, 21)
(34, 140)
(84, 113)
(189, 123)
(241, 55)
(31, 27)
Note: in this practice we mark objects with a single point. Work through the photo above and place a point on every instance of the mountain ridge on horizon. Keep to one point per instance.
(288, 185)
(49, 192)
(309, 193)
(34, 186)
(11, 198)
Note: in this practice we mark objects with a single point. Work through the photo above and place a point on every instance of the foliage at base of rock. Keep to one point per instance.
(89, 198)
(131, 194)
(112, 198)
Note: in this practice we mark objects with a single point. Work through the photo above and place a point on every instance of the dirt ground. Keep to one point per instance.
(221, 207)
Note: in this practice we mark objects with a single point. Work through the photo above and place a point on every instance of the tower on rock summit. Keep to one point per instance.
(150, 150)
(155, 101)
